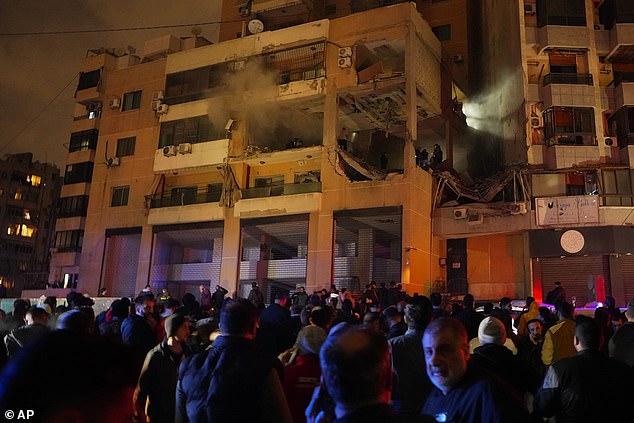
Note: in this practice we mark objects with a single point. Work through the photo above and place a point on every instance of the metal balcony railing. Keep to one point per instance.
(201, 195)
(286, 189)
(568, 78)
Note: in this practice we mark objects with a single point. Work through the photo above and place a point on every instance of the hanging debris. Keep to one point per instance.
(357, 170)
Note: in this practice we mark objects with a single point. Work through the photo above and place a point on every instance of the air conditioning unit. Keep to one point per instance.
(344, 62)
(113, 161)
(169, 150)
(529, 9)
(475, 219)
(537, 122)
(460, 213)
(156, 104)
(114, 103)
(157, 95)
(345, 52)
(519, 208)
(457, 58)
(162, 109)
(185, 148)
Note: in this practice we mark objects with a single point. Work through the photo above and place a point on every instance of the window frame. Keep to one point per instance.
(131, 100)
(120, 196)
(126, 146)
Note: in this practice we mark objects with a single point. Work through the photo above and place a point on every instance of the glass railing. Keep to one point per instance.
(275, 190)
(568, 78)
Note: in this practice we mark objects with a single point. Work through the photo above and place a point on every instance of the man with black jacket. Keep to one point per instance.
(232, 381)
(575, 388)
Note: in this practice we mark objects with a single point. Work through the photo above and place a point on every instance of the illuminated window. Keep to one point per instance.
(17, 195)
(27, 231)
(34, 180)
(27, 214)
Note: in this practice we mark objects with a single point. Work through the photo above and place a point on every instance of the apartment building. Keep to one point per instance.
(566, 121)
(28, 196)
(283, 157)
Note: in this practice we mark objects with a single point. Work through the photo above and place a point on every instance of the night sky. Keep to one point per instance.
(36, 68)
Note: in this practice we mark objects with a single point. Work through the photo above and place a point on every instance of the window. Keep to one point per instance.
(120, 196)
(581, 183)
(617, 187)
(125, 146)
(131, 101)
(192, 130)
(34, 180)
(275, 183)
(621, 124)
(69, 240)
(442, 32)
(89, 79)
(182, 196)
(83, 141)
(21, 229)
(72, 206)
(569, 126)
(78, 172)
(561, 12)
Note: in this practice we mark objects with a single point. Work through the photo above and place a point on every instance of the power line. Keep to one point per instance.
(137, 28)
(27, 126)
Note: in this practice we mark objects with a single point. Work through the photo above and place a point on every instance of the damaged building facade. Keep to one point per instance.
(224, 163)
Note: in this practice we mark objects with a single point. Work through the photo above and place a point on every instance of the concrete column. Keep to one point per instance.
(409, 154)
(146, 249)
(230, 253)
(320, 255)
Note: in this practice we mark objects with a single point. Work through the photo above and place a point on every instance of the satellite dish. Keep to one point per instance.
(255, 26)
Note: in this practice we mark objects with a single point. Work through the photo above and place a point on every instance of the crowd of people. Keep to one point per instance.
(330, 356)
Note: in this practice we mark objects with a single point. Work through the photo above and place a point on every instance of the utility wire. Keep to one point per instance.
(28, 125)
(137, 28)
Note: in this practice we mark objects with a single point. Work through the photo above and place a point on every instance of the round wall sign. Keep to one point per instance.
(572, 241)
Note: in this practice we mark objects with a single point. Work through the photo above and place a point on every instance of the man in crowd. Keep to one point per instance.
(299, 298)
(557, 295)
(462, 392)
(588, 387)
(621, 346)
(205, 298)
(139, 329)
(469, 317)
(276, 331)
(411, 384)
(558, 342)
(530, 352)
(157, 383)
(356, 381)
(232, 381)
(394, 320)
(36, 320)
(256, 297)
(218, 298)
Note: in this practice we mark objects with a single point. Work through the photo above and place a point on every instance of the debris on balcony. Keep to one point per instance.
(357, 170)
(231, 193)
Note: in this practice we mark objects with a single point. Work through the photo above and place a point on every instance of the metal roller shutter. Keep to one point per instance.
(573, 273)
(627, 268)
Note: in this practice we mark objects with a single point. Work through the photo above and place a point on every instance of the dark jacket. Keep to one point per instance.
(397, 329)
(218, 297)
(379, 413)
(476, 399)
(471, 320)
(158, 382)
(500, 361)
(223, 384)
(621, 345)
(411, 385)
(276, 330)
(588, 387)
(136, 332)
(18, 338)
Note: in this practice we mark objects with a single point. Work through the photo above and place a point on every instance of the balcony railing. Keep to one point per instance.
(568, 78)
(183, 198)
(617, 200)
(275, 190)
(623, 77)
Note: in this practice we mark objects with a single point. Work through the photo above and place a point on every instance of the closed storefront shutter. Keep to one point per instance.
(576, 274)
(627, 268)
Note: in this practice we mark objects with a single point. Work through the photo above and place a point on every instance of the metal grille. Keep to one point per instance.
(120, 265)
(574, 273)
(367, 247)
(299, 63)
(627, 271)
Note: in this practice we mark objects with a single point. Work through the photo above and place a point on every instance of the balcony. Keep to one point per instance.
(560, 36)
(479, 218)
(568, 78)
(185, 271)
(200, 205)
(567, 90)
(279, 200)
(276, 13)
(567, 153)
(617, 16)
(276, 269)
(191, 156)
(623, 89)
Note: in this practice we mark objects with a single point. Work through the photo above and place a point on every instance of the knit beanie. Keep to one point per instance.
(172, 323)
(491, 331)
(310, 340)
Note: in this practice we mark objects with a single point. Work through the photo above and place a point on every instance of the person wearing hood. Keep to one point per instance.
(532, 313)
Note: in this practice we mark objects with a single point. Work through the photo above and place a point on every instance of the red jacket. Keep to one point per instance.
(300, 380)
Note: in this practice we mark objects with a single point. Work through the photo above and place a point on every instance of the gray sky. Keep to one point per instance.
(35, 68)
